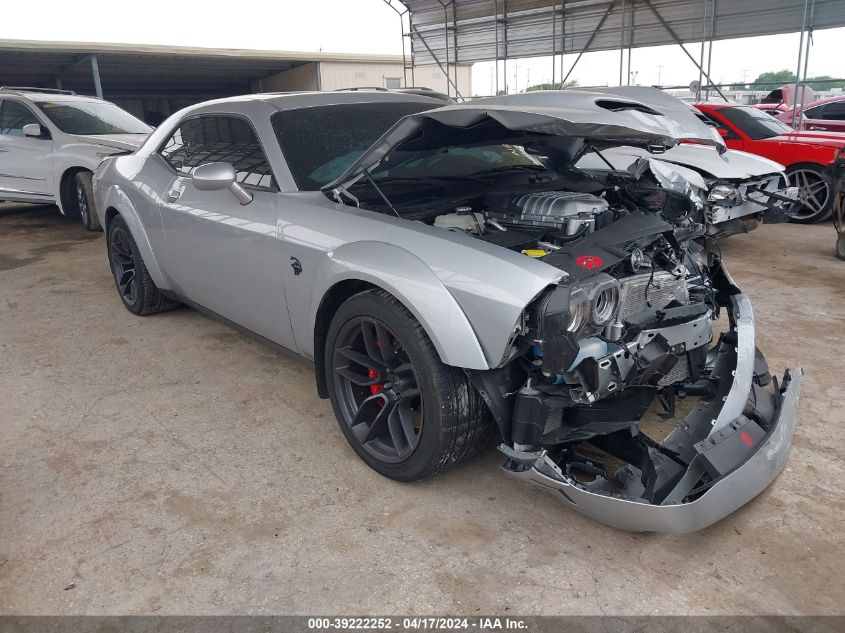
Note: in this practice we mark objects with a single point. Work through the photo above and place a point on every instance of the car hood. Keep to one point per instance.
(732, 165)
(117, 141)
(563, 120)
(825, 139)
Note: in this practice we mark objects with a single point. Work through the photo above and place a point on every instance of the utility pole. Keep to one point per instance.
(659, 73)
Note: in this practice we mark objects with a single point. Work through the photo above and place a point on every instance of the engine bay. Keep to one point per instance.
(630, 326)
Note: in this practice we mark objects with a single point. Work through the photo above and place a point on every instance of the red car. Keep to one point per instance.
(807, 156)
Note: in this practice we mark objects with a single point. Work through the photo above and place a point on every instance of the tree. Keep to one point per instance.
(553, 86)
(774, 79)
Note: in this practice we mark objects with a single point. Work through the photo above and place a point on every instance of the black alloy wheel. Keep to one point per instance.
(377, 389)
(123, 265)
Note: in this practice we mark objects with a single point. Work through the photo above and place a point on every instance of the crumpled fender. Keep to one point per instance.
(412, 282)
(114, 197)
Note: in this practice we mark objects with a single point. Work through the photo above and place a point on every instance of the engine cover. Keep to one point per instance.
(563, 211)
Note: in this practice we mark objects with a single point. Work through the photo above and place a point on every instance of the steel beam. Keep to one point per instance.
(589, 41)
(806, 61)
(800, 52)
(95, 71)
(436, 60)
(678, 41)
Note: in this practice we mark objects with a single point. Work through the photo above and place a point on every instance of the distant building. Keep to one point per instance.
(152, 82)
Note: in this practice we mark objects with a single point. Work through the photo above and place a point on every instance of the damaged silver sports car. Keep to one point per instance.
(453, 275)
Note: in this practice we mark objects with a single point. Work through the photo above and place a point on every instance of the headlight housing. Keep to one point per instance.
(724, 195)
(568, 313)
(603, 305)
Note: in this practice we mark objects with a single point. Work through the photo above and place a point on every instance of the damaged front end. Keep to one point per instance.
(726, 206)
(580, 424)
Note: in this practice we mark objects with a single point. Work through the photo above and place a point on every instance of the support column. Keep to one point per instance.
(95, 71)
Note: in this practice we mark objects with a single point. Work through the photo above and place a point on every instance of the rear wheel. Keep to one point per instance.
(814, 193)
(137, 290)
(404, 412)
(84, 201)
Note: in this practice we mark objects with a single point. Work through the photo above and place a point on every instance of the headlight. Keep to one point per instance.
(724, 195)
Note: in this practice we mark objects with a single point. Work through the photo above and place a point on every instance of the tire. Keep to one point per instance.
(83, 199)
(814, 189)
(131, 278)
(840, 246)
(430, 417)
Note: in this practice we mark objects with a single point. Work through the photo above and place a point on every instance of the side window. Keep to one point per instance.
(834, 111)
(815, 113)
(211, 139)
(13, 116)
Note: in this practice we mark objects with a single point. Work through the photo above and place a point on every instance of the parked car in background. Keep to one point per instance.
(732, 192)
(51, 141)
(807, 156)
(825, 115)
(456, 275)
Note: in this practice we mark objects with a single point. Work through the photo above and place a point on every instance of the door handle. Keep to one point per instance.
(3, 149)
(817, 127)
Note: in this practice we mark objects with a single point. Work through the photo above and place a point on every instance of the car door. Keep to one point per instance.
(26, 163)
(218, 253)
(828, 117)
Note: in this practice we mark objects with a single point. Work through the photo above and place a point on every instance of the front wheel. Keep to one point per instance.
(815, 202)
(84, 200)
(404, 412)
(134, 284)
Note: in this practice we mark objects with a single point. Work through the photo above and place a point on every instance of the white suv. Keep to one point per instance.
(51, 141)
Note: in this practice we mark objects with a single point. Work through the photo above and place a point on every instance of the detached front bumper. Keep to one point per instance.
(683, 510)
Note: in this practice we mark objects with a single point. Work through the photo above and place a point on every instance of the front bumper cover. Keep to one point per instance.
(728, 493)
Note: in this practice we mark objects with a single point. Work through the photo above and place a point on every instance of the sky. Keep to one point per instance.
(370, 26)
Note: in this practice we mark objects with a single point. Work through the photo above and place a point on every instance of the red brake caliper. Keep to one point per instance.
(374, 389)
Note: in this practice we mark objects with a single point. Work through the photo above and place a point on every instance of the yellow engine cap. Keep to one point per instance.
(534, 252)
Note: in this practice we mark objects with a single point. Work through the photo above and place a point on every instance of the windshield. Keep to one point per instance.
(754, 123)
(321, 142)
(92, 118)
(456, 162)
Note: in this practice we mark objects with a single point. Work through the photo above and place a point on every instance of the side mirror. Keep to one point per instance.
(33, 129)
(724, 132)
(219, 176)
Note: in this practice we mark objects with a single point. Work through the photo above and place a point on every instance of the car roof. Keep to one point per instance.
(818, 102)
(303, 99)
(44, 94)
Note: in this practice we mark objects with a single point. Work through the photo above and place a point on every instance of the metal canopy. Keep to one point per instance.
(452, 32)
(138, 69)
(484, 30)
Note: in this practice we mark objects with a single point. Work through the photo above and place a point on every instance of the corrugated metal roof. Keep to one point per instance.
(533, 27)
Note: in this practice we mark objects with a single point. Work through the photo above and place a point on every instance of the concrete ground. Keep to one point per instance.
(169, 465)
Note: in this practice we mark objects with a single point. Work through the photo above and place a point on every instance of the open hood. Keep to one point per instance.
(562, 120)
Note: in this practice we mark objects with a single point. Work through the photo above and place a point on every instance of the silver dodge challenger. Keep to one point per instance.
(453, 275)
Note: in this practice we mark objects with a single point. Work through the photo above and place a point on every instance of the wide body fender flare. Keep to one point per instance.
(411, 281)
(113, 197)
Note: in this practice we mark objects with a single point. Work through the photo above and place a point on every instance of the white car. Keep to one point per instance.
(732, 192)
(51, 141)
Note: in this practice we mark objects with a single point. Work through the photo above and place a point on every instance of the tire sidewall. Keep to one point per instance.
(89, 219)
(427, 453)
(118, 223)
